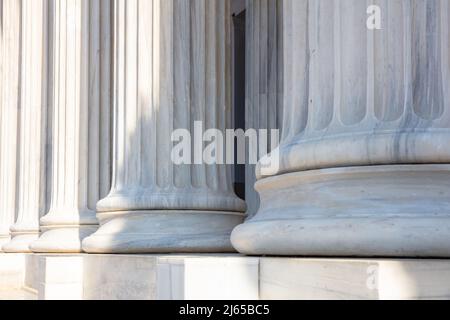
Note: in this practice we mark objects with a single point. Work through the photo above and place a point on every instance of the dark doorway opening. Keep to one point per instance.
(239, 95)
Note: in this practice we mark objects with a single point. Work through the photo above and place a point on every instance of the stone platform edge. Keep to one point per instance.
(222, 277)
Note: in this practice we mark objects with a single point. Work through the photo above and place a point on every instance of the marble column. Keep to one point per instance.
(365, 152)
(264, 79)
(31, 163)
(10, 30)
(171, 69)
(80, 140)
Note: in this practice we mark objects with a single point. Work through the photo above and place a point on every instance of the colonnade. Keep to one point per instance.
(91, 92)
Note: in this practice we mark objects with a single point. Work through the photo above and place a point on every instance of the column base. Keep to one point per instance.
(399, 211)
(164, 232)
(20, 243)
(62, 239)
(4, 239)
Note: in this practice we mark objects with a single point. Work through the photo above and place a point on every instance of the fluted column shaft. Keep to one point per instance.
(31, 186)
(80, 138)
(366, 134)
(380, 93)
(11, 20)
(171, 69)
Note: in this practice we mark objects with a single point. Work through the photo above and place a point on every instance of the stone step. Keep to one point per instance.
(224, 277)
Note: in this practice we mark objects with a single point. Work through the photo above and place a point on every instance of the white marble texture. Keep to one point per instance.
(80, 115)
(145, 277)
(60, 277)
(366, 135)
(354, 279)
(9, 141)
(18, 294)
(32, 135)
(171, 69)
(12, 271)
(199, 277)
